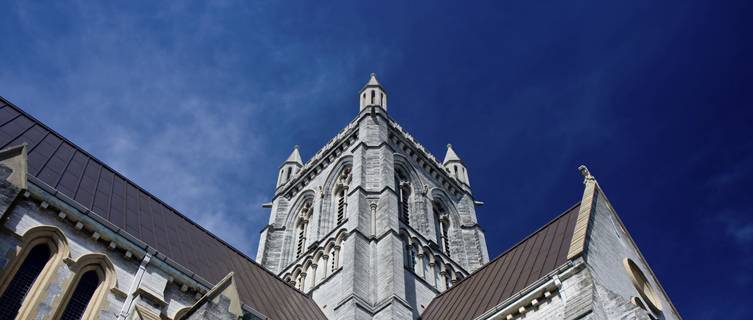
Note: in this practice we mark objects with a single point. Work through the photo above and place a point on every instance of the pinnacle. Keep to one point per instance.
(450, 155)
(295, 156)
(373, 80)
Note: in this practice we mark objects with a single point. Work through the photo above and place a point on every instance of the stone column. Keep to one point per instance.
(325, 265)
(420, 271)
(313, 275)
(433, 280)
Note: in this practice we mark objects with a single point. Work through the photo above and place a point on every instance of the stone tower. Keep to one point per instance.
(373, 226)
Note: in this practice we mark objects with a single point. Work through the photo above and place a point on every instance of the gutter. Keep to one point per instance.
(71, 210)
(528, 298)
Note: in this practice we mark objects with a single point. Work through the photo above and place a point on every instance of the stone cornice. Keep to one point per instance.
(347, 135)
(69, 209)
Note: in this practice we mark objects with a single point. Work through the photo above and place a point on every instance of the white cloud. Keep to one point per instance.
(169, 97)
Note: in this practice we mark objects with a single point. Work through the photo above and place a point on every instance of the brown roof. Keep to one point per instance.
(75, 173)
(531, 259)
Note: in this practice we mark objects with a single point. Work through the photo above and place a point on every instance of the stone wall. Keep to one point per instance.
(607, 247)
(155, 290)
(372, 282)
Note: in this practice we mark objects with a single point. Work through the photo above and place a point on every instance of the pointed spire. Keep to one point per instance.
(373, 80)
(450, 155)
(455, 166)
(373, 94)
(295, 156)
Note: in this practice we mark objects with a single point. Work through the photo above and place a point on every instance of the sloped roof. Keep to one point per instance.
(531, 259)
(75, 173)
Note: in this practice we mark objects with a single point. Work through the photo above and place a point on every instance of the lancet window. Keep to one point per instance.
(442, 226)
(15, 292)
(81, 296)
(341, 191)
(301, 226)
(403, 190)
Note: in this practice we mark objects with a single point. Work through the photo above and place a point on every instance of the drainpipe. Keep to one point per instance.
(125, 311)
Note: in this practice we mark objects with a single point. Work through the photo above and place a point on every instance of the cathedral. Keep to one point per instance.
(373, 226)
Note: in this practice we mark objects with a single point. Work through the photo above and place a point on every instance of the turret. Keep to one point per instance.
(455, 166)
(289, 168)
(373, 94)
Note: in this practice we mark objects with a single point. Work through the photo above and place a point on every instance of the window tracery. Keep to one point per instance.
(341, 190)
(442, 226)
(403, 190)
(301, 226)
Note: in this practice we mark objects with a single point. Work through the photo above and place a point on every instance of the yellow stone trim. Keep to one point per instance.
(226, 287)
(578, 242)
(101, 264)
(55, 240)
(642, 285)
(16, 159)
(143, 313)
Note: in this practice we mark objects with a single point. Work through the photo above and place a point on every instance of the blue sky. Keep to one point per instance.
(200, 102)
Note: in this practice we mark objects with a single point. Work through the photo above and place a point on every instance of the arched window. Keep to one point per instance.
(27, 276)
(301, 239)
(403, 196)
(287, 175)
(93, 277)
(302, 224)
(442, 226)
(81, 296)
(343, 182)
(340, 206)
(15, 292)
(372, 96)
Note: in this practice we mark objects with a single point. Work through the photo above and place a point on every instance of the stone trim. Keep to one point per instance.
(60, 251)
(146, 314)
(16, 158)
(345, 137)
(104, 268)
(71, 211)
(587, 207)
(319, 161)
(227, 282)
(372, 309)
(642, 285)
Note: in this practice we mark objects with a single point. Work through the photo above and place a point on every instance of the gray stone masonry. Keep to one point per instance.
(371, 281)
(608, 245)
(26, 213)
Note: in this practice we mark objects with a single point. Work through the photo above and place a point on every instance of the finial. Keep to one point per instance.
(585, 173)
(373, 75)
(449, 145)
(296, 147)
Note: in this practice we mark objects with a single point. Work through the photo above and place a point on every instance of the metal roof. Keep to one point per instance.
(72, 171)
(526, 262)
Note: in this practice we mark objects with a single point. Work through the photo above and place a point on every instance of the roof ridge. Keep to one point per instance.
(559, 216)
(134, 184)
